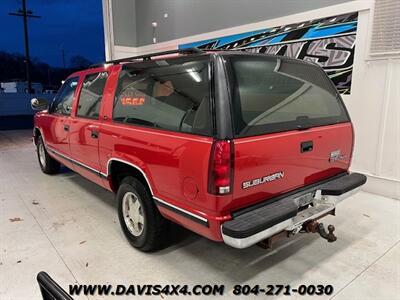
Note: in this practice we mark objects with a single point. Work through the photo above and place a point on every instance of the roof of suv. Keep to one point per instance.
(191, 51)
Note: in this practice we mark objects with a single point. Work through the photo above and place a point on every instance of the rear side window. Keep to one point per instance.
(91, 95)
(272, 95)
(169, 94)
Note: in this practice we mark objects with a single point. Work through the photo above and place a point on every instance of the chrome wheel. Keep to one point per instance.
(42, 155)
(133, 213)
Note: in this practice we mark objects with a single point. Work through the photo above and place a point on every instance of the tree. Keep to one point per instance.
(79, 62)
(12, 68)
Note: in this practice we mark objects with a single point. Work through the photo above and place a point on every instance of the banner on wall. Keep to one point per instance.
(329, 42)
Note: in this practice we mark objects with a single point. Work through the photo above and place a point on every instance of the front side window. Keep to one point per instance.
(91, 94)
(169, 94)
(62, 103)
(273, 94)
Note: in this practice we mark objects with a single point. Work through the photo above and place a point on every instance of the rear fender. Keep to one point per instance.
(135, 163)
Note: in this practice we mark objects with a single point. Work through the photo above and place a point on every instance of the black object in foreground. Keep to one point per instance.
(50, 289)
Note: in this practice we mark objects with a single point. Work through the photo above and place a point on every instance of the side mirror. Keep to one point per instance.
(39, 104)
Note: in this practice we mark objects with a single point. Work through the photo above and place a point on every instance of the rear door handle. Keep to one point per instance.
(306, 146)
(94, 129)
(66, 127)
(94, 134)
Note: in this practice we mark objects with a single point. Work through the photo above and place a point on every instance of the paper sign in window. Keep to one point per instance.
(132, 101)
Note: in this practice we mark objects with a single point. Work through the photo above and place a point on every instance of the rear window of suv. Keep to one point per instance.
(171, 94)
(272, 95)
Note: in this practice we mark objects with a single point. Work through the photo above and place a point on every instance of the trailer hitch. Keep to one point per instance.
(312, 226)
(316, 227)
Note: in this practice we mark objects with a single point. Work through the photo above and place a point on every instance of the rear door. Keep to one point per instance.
(160, 121)
(56, 132)
(85, 124)
(290, 126)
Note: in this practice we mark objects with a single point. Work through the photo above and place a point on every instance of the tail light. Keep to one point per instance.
(220, 178)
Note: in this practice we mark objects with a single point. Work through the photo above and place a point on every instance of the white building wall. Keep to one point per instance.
(20, 87)
(375, 110)
(374, 103)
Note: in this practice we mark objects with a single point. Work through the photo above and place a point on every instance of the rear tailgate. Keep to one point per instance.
(267, 166)
(290, 125)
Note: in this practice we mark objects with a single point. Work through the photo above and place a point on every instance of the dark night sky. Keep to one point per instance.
(75, 25)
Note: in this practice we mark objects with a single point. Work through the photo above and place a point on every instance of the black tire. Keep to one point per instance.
(48, 164)
(154, 231)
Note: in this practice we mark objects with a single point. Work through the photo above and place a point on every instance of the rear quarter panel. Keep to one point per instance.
(176, 165)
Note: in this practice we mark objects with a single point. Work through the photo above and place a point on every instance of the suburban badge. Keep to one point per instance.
(265, 179)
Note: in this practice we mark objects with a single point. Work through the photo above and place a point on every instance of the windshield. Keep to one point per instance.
(272, 94)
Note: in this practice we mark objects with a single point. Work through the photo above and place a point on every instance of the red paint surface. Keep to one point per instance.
(168, 159)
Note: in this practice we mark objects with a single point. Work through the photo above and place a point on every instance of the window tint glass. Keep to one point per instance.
(168, 94)
(91, 95)
(63, 101)
(272, 95)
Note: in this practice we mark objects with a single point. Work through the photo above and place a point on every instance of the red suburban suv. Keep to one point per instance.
(237, 147)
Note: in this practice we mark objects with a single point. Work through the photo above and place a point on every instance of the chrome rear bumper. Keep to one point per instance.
(321, 205)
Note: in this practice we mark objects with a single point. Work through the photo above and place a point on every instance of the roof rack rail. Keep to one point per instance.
(149, 56)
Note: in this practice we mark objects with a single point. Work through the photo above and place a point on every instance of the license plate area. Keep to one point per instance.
(311, 213)
(305, 199)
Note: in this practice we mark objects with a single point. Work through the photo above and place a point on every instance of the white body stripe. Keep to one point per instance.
(136, 167)
(182, 210)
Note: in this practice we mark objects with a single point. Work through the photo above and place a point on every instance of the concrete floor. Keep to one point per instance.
(68, 227)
